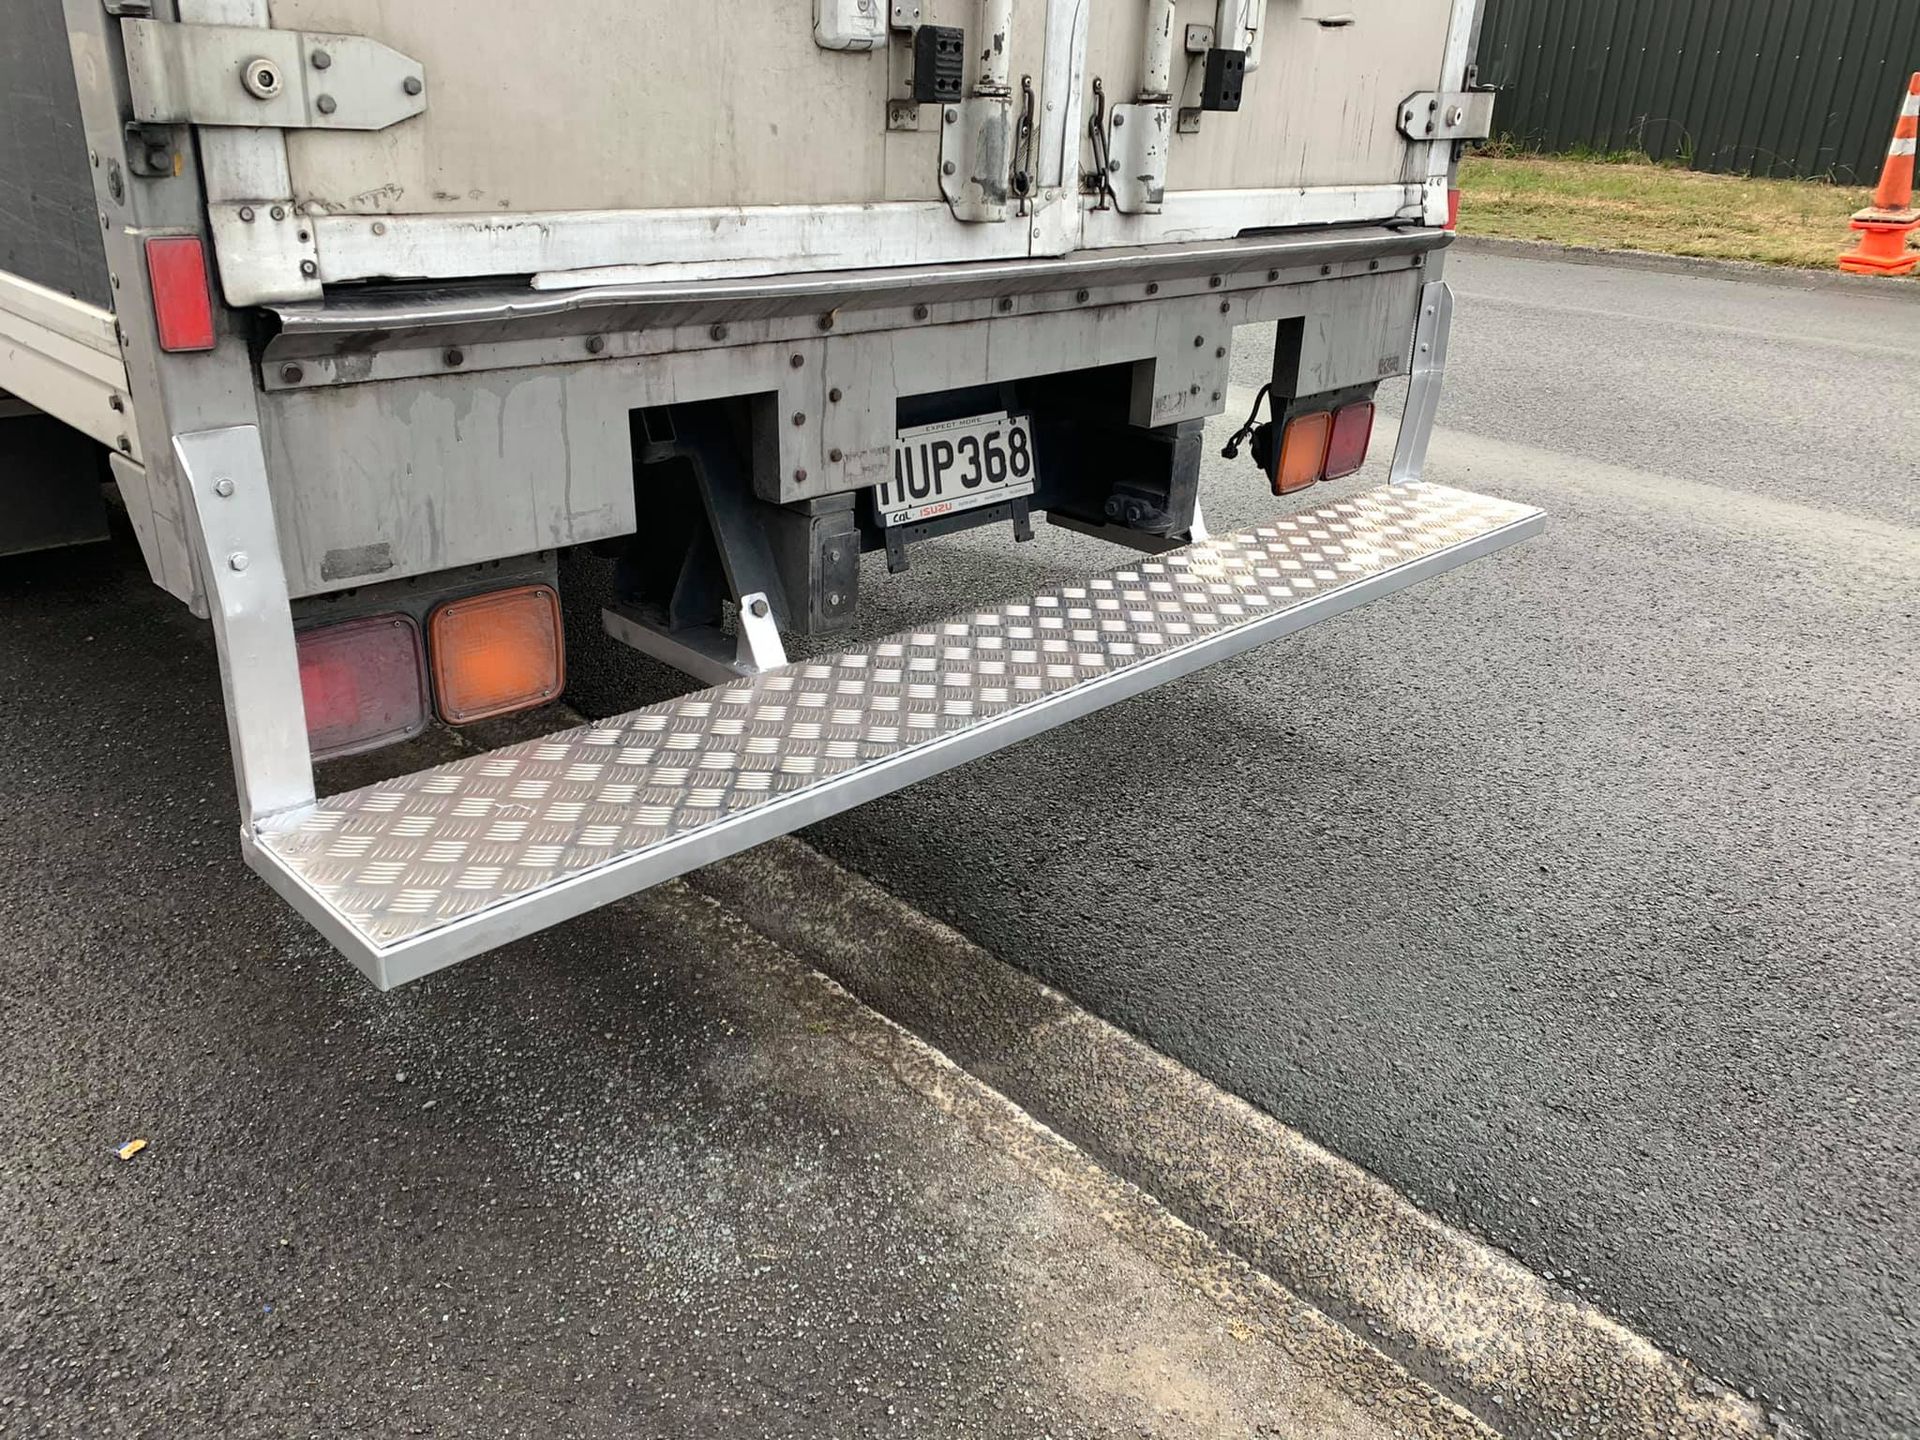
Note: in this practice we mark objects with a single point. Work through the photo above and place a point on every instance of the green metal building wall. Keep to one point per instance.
(1751, 87)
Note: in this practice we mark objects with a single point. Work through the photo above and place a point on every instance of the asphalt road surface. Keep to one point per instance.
(1570, 893)
(1573, 893)
(642, 1175)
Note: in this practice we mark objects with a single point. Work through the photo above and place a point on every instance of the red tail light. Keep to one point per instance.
(1347, 446)
(364, 682)
(1453, 209)
(182, 304)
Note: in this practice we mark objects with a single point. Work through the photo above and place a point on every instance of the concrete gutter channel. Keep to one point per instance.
(1526, 1357)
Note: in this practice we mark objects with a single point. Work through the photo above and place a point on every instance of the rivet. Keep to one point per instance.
(411, 85)
(321, 59)
(946, 167)
(1326, 269)
(114, 402)
(455, 357)
(1193, 390)
(799, 477)
(1424, 347)
(1213, 282)
(716, 332)
(246, 214)
(1226, 306)
(126, 445)
(1219, 352)
(238, 560)
(379, 227)
(1118, 121)
(834, 395)
(833, 554)
(309, 269)
(826, 322)
(919, 312)
(292, 374)
(950, 116)
(1154, 288)
(1273, 275)
(759, 608)
(1216, 395)
(1006, 303)
(1373, 264)
(223, 488)
(279, 212)
(595, 344)
(834, 454)
(833, 599)
(1198, 341)
(796, 361)
(1113, 167)
(1079, 297)
(799, 418)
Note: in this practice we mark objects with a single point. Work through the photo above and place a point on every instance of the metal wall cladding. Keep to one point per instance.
(1749, 87)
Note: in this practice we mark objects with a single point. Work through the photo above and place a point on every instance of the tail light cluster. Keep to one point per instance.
(1322, 445)
(377, 679)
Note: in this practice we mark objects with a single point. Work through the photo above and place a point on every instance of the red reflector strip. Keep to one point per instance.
(1453, 209)
(364, 683)
(1347, 446)
(182, 304)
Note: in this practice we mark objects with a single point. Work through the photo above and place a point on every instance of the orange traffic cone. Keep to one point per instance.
(1884, 228)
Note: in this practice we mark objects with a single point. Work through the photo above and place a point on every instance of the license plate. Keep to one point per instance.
(956, 465)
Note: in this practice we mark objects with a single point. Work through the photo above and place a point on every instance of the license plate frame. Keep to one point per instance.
(948, 467)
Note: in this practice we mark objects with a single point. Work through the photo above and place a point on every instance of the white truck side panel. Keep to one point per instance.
(62, 356)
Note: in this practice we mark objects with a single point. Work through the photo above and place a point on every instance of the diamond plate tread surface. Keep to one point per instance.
(404, 857)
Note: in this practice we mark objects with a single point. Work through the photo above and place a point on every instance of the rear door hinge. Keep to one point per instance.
(1447, 115)
(280, 79)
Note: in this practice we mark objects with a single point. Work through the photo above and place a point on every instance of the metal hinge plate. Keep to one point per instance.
(281, 79)
(1137, 162)
(975, 157)
(1447, 115)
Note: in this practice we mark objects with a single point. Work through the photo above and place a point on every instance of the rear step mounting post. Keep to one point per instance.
(703, 651)
(1430, 334)
(239, 553)
(736, 533)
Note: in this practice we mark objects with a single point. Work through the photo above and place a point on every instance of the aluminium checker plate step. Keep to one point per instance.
(415, 873)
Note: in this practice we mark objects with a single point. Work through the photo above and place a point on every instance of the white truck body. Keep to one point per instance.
(485, 284)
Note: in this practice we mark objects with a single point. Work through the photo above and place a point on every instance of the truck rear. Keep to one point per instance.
(417, 336)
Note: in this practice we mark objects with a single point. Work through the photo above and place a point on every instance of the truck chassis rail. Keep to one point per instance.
(413, 874)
